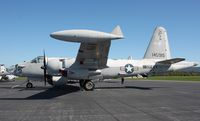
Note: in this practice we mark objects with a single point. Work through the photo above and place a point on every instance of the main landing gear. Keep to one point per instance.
(87, 85)
(29, 84)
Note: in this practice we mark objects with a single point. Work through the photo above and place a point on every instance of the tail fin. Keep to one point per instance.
(158, 47)
(117, 31)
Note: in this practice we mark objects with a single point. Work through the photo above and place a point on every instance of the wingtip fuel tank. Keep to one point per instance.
(81, 35)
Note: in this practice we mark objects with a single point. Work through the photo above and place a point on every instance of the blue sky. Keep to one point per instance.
(25, 26)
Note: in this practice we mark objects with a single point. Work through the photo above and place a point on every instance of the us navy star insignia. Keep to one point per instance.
(129, 68)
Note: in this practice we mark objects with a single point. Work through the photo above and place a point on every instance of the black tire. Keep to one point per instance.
(89, 85)
(29, 85)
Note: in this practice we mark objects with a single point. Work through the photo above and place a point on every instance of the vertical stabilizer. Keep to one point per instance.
(158, 47)
(117, 31)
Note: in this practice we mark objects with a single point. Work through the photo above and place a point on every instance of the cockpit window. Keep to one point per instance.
(38, 59)
(34, 61)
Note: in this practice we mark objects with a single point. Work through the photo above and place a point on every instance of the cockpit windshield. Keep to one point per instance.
(38, 59)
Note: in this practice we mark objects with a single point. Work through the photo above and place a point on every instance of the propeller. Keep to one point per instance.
(44, 67)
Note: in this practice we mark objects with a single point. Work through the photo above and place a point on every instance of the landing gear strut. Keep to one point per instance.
(29, 84)
(122, 80)
(88, 85)
(81, 83)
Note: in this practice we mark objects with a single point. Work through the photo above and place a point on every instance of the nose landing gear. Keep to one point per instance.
(29, 84)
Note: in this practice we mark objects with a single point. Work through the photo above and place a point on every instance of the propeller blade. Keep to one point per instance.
(45, 69)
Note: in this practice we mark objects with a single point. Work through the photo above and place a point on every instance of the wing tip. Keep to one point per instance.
(117, 31)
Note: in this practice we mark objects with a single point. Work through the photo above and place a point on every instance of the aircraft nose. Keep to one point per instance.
(196, 64)
(18, 69)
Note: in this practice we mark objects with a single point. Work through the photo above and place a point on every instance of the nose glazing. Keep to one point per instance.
(195, 64)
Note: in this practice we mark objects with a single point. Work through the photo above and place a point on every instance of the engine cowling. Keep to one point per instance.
(53, 66)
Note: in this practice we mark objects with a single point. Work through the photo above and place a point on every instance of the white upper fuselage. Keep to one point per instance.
(145, 66)
(116, 68)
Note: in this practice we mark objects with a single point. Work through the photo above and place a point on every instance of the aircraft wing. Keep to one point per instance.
(93, 52)
(94, 48)
(171, 61)
(93, 55)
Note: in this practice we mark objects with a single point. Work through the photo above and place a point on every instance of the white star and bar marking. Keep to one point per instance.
(129, 68)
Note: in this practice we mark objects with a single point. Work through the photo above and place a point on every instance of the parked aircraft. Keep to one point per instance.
(4, 74)
(92, 60)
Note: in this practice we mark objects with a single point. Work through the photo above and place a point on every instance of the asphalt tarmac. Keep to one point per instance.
(110, 101)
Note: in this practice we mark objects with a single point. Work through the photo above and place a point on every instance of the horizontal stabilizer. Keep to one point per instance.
(117, 31)
(171, 61)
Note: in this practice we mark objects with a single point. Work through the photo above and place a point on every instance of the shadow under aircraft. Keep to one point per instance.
(49, 93)
(129, 87)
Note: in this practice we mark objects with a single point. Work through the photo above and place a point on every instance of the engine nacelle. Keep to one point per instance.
(57, 80)
(78, 74)
(83, 74)
(53, 66)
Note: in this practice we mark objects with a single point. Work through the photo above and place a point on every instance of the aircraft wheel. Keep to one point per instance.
(89, 85)
(29, 85)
